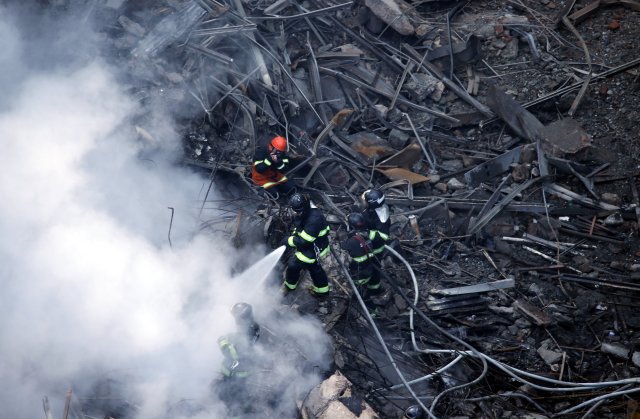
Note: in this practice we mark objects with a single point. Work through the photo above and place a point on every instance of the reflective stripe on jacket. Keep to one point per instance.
(378, 230)
(358, 248)
(311, 238)
(231, 354)
(378, 240)
(265, 172)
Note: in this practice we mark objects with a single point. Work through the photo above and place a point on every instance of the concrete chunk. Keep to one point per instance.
(421, 85)
(549, 356)
(533, 313)
(389, 12)
(615, 349)
(325, 401)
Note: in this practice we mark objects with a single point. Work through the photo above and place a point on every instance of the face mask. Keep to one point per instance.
(383, 213)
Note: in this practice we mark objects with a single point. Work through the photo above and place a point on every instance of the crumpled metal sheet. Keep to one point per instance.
(370, 147)
(398, 173)
(406, 157)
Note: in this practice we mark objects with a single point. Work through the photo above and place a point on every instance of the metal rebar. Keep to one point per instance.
(303, 15)
(170, 225)
(67, 404)
(431, 160)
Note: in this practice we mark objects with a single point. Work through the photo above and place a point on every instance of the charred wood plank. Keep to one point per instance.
(532, 312)
(478, 288)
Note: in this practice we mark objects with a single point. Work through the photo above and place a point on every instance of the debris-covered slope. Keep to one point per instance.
(504, 135)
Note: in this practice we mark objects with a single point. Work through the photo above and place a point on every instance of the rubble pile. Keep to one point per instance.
(504, 135)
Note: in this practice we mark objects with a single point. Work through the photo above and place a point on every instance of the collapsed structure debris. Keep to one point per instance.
(516, 211)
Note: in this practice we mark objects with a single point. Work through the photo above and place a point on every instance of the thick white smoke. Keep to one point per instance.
(89, 286)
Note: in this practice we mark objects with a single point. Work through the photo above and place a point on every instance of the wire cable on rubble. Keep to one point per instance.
(485, 367)
(511, 371)
(377, 332)
(510, 394)
(597, 399)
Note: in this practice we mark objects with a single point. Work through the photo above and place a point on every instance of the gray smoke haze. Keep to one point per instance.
(90, 287)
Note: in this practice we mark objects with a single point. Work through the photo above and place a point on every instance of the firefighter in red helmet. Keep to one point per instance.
(269, 163)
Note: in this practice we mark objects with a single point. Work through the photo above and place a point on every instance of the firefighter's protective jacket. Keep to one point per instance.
(361, 252)
(265, 172)
(379, 225)
(309, 237)
(240, 355)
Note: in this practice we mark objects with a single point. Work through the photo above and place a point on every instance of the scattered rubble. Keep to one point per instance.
(508, 157)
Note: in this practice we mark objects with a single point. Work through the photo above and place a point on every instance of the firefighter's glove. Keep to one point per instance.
(285, 242)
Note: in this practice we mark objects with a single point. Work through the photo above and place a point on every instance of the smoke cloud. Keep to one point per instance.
(91, 289)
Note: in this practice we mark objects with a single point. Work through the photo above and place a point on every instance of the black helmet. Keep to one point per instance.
(299, 203)
(413, 412)
(242, 312)
(374, 198)
(357, 220)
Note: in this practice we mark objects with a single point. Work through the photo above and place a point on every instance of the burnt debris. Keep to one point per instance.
(504, 136)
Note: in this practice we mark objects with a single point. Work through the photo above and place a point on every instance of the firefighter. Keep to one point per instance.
(238, 351)
(376, 213)
(247, 335)
(309, 241)
(269, 163)
(360, 249)
(413, 412)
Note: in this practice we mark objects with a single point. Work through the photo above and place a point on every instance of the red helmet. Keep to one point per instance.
(279, 143)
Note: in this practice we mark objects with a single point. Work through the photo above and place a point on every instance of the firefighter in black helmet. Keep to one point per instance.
(376, 214)
(413, 412)
(239, 361)
(235, 347)
(309, 240)
(360, 250)
(243, 315)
